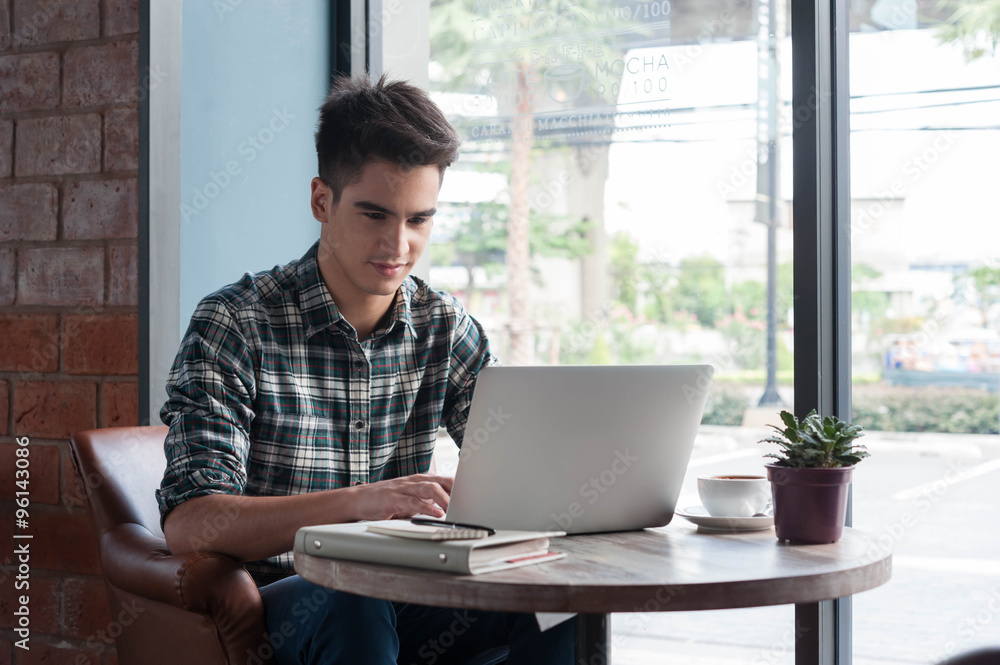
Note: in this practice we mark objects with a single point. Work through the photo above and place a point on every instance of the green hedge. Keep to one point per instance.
(905, 409)
(887, 408)
(725, 406)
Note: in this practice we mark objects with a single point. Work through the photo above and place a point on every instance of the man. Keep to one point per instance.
(313, 394)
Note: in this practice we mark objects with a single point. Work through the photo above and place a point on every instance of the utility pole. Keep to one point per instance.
(768, 190)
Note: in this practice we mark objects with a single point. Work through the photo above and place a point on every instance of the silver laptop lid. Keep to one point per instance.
(578, 448)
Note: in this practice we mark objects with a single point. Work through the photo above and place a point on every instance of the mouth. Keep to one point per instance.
(388, 269)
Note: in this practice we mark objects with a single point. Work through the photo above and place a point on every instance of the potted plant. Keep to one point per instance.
(810, 479)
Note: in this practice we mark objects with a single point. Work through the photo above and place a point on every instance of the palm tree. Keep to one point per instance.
(486, 51)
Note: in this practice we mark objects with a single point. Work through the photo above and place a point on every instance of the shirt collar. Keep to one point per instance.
(320, 312)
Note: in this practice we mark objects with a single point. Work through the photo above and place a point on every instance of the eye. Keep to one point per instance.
(377, 216)
(419, 220)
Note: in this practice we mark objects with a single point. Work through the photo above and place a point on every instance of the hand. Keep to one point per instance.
(419, 494)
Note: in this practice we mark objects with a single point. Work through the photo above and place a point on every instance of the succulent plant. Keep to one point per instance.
(816, 442)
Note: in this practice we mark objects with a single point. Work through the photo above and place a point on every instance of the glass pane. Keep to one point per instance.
(925, 99)
(622, 167)
(247, 153)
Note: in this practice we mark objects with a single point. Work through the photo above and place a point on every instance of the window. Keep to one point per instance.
(925, 96)
(623, 166)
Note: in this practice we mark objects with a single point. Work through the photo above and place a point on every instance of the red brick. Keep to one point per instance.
(120, 404)
(43, 604)
(58, 145)
(6, 147)
(8, 259)
(46, 654)
(6, 645)
(44, 21)
(31, 342)
(46, 596)
(46, 464)
(97, 209)
(28, 212)
(121, 17)
(85, 612)
(30, 82)
(4, 45)
(123, 283)
(62, 541)
(121, 140)
(43, 481)
(4, 407)
(61, 276)
(101, 344)
(54, 409)
(105, 74)
(111, 658)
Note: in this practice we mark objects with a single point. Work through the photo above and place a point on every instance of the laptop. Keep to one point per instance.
(581, 449)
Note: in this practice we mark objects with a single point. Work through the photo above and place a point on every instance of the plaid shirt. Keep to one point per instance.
(272, 394)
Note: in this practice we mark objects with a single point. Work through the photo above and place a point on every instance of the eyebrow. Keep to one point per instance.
(374, 207)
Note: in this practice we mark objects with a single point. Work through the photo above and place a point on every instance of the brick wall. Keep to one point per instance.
(68, 302)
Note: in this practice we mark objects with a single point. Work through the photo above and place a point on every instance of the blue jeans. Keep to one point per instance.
(311, 624)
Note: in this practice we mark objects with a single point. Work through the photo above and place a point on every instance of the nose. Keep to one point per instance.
(395, 240)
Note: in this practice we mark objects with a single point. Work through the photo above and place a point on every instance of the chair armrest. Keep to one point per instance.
(136, 561)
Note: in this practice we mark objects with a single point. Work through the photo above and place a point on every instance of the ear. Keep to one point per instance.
(321, 200)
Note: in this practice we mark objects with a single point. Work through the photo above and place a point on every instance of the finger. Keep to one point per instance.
(425, 507)
(434, 492)
(444, 481)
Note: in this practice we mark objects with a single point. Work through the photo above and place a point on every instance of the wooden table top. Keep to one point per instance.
(674, 568)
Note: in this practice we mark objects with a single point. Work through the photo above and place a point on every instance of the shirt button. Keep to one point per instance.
(359, 425)
(358, 364)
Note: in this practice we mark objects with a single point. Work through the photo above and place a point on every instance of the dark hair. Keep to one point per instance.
(362, 120)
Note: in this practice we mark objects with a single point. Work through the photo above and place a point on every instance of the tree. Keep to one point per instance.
(871, 305)
(975, 24)
(701, 288)
(625, 270)
(986, 279)
(481, 239)
(478, 49)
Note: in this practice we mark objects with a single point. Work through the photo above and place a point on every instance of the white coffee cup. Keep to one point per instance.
(734, 495)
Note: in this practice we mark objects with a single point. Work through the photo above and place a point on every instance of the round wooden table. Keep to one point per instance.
(670, 569)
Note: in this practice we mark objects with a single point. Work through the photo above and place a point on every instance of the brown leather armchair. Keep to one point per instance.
(195, 608)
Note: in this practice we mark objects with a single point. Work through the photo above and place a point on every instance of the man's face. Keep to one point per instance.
(373, 236)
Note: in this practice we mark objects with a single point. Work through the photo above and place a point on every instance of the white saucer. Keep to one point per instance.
(698, 515)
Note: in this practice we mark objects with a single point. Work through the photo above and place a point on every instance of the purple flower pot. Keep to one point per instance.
(809, 504)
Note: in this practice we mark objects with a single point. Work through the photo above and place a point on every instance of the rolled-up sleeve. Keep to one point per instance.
(210, 392)
(470, 353)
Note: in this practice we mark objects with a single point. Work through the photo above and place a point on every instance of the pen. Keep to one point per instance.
(430, 521)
